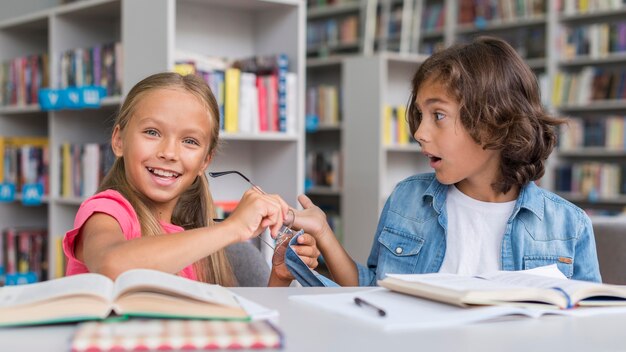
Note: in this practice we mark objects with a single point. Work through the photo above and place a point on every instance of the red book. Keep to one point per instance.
(262, 92)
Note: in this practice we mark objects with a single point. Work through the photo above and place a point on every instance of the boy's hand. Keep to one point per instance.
(312, 219)
(306, 250)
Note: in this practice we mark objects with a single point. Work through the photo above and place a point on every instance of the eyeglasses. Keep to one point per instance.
(285, 233)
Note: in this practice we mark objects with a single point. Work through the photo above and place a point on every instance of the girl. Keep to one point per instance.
(164, 138)
(475, 109)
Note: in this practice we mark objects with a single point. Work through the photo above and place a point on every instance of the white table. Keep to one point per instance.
(308, 329)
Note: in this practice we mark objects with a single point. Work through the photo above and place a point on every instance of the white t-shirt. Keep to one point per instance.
(475, 232)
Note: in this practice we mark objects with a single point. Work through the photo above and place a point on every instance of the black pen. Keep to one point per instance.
(363, 303)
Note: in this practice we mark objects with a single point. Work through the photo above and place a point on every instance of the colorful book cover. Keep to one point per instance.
(403, 125)
(231, 101)
(169, 335)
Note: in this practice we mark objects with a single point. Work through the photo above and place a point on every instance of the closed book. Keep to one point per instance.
(175, 334)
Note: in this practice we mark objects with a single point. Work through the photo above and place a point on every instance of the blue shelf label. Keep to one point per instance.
(32, 193)
(71, 98)
(312, 123)
(7, 192)
(21, 278)
(50, 99)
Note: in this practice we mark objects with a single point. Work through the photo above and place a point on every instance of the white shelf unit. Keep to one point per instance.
(326, 138)
(150, 32)
(371, 169)
(326, 65)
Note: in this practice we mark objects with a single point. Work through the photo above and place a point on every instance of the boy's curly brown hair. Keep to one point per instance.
(500, 105)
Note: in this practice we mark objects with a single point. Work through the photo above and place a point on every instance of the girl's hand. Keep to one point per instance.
(312, 219)
(306, 250)
(255, 212)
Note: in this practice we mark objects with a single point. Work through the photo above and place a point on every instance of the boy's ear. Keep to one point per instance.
(116, 141)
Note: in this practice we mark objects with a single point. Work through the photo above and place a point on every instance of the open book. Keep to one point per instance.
(516, 288)
(138, 292)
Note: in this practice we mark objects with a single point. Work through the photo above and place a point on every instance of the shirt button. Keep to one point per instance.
(399, 250)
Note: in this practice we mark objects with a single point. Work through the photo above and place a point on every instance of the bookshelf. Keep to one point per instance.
(373, 167)
(570, 45)
(223, 28)
(382, 26)
(589, 60)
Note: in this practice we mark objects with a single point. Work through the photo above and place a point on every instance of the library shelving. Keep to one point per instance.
(147, 44)
(588, 88)
(340, 30)
(345, 27)
(373, 163)
(323, 159)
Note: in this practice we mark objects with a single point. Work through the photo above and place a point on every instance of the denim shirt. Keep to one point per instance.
(543, 229)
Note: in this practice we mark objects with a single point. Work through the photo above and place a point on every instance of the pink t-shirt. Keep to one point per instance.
(112, 203)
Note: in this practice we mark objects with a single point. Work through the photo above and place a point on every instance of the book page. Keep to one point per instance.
(404, 312)
(536, 281)
(145, 280)
(83, 284)
(576, 290)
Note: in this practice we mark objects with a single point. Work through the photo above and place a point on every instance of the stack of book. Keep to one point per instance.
(141, 310)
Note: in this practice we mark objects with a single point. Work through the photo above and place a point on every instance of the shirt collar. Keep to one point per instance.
(530, 197)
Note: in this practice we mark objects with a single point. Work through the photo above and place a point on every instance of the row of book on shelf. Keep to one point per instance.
(590, 84)
(23, 161)
(334, 31)
(322, 106)
(83, 167)
(594, 40)
(571, 7)
(433, 17)
(479, 11)
(23, 255)
(255, 94)
(101, 65)
(323, 169)
(394, 24)
(21, 78)
(605, 132)
(592, 180)
(395, 126)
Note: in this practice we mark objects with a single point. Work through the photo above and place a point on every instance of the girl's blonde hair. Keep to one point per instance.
(195, 207)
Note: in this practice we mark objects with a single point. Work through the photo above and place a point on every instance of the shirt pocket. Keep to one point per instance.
(399, 252)
(565, 264)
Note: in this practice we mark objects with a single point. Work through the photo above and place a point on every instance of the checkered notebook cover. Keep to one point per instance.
(170, 334)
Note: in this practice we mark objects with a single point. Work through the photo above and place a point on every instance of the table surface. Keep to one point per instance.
(309, 329)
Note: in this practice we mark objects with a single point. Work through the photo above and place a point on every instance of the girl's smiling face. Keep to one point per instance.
(456, 157)
(165, 145)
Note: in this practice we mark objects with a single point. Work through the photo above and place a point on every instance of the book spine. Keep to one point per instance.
(282, 65)
(231, 106)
